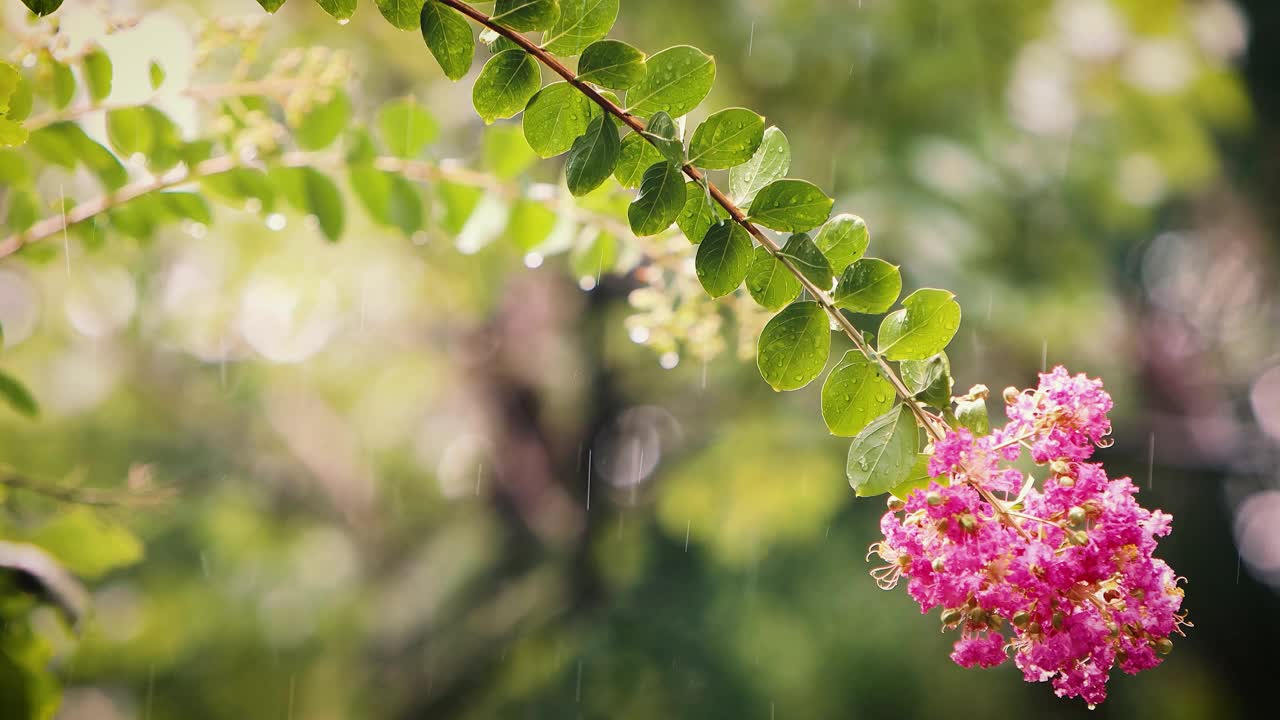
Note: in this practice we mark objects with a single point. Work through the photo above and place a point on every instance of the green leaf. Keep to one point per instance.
(459, 202)
(97, 73)
(44, 7)
(66, 144)
(660, 200)
(529, 224)
(555, 117)
(448, 37)
(636, 156)
(699, 213)
(405, 127)
(339, 9)
(929, 380)
(917, 478)
(24, 209)
(88, 544)
(17, 396)
(186, 206)
(389, 198)
(271, 5)
(794, 345)
(612, 64)
(726, 138)
(770, 283)
(723, 258)
(524, 15)
(505, 85)
(64, 84)
(677, 79)
(662, 132)
(324, 122)
(506, 154)
(404, 14)
(843, 239)
(806, 256)
(243, 184)
(972, 414)
(855, 393)
(593, 156)
(790, 205)
(311, 192)
(147, 131)
(869, 286)
(927, 322)
(11, 133)
(155, 74)
(581, 23)
(882, 455)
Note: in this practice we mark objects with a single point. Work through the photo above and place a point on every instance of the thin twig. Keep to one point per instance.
(636, 124)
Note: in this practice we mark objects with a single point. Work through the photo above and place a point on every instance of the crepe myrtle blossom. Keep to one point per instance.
(1061, 577)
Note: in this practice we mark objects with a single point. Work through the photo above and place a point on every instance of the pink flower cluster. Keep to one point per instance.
(1061, 576)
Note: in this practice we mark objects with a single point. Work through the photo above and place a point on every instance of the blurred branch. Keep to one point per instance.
(139, 493)
(420, 171)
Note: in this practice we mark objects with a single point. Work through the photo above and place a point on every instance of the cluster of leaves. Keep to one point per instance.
(823, 255)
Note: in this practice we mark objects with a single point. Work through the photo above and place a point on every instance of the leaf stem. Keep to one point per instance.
(820, 295)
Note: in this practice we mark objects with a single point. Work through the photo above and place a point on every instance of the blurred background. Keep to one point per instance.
(452, 474)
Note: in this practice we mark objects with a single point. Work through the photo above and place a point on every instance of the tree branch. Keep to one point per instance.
(636, 124)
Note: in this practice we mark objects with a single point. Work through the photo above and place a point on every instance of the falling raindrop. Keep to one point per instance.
(276, 221)
(533, 260)
(587, 283)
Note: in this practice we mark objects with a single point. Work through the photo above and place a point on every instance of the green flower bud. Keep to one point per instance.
(968, 522)
(1164, 646)
(904, 559)
(1058, 619)
(1066, 481)
(895, 504)
(934, 498)
(1078, 537)
(951, 616)
(1021, 618)
(1076, 515)
(1011, 395)
(939, 565)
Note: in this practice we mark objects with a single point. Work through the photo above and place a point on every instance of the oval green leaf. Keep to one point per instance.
(405, 127)
(612, 64)
(806, 256)
(404, 14)
(17, 396)
(448, 37)
(339, 9)
(794, 345)
(843, 239)
(525, 15)
(505, 85)
(770, 283)
(311, 192)
(855, 393)
(660, 200)
(555, 117)
(790, 206)
(972, 414)
(882, 455)
(581, 23)
(662, 132)
(927, 322)
(869, 286)
(723, 258)
(727, 138)
(637, 155)
(700, 212)
(593, 156)
(324, 122)
(677, 79)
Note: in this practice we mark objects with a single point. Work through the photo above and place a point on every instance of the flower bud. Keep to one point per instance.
(951, 616)
(1079, 537)
(996, 622)
(934, 498)
(895, 504)
(1060, 467)
(1076, 515)
(1058, 619)
(1164, 646)
(968, 522)
(1010, 395)
(1021, 618)
(1066, 481)
(939, 565)
(904, 559)
(942, 525)
(977, 616)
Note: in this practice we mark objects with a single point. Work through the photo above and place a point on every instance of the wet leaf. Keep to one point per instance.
(869, 286)
(581, 23)
(794, 345)
(593, 156)
(612, 64)
(676, 81)
(660, 200)
(723, 258)
(927, 322)
(855, 393)
(448, 37)
(790, 206)
(843, 239)
(883, 453)
(505, 85)
(726, 138)
(770, 283)
(555, 117)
